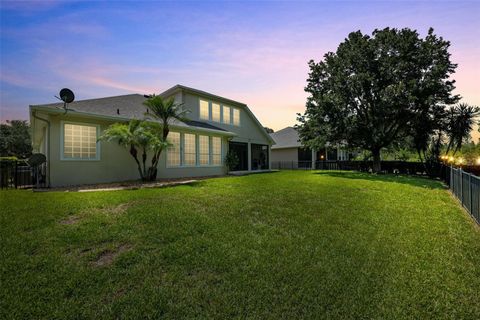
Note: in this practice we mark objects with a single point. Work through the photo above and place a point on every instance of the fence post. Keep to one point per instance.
(461, 186)
(15, 175)
(470, 192)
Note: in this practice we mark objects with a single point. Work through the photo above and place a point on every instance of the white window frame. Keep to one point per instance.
(219, 112)
(229, 114)
(182, 150)
(62, 142)
(180, 153)
(209, 109)
(197, 152)
(211, 152)
(239, 117)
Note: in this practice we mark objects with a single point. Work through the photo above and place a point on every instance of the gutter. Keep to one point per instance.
(48, 145)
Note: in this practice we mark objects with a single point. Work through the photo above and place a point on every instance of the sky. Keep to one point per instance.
(255, 52)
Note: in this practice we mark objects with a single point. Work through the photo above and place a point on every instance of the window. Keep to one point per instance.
(215, 112)
(204, 110)
(236, 116)
(173, 151)
(216, 151)
(226, 114)
(190, 150)
(204, 150)
(80, 142)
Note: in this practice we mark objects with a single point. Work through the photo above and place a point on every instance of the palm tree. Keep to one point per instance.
(136, 135)
(164, 111)
(460, 121)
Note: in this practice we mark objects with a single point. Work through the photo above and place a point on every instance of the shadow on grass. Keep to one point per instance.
(422, 182)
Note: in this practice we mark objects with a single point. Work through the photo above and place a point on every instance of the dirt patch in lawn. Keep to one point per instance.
(70, 220)
(118, 209)
(108, 256)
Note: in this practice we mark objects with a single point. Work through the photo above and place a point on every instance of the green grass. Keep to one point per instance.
(281, 245)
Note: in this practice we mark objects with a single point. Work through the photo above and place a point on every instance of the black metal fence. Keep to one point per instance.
(15, 174)
(466, 188)
(402, 167)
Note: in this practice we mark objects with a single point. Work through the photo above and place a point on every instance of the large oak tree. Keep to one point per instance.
(379, 89)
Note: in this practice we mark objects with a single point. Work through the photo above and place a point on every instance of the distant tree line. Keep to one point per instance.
(391, 90)
(15, 139)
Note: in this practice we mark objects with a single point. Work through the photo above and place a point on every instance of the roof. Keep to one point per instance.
(131, 106)
(199, 92)
(286, 138)
(121, 108)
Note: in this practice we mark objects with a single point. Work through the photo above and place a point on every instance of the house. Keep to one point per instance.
(288, 151)
(68, 138)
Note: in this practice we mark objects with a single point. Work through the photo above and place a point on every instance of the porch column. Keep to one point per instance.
(314, 158)
(249, 156)
(269, 157)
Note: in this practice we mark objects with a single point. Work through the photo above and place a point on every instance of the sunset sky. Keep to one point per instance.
(254, 52)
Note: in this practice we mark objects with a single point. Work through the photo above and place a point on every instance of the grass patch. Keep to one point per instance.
(283, 245)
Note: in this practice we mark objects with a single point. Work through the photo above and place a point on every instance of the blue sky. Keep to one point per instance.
(254, 52)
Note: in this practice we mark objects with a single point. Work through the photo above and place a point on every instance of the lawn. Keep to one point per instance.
(279, 245)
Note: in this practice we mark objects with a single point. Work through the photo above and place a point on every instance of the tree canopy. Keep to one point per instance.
(377, 90)
(15, 139)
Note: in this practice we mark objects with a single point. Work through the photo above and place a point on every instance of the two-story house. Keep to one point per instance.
(69, 138)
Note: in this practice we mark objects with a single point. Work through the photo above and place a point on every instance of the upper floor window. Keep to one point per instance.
(236, 117)
(226, 114)
(204, 110)
(80, 142)
(215, 112)
(219, 113)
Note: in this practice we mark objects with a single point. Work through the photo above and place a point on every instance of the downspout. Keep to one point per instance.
(48, 145)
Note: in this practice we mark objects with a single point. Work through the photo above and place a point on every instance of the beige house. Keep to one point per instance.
(288, 151)
(68, 138)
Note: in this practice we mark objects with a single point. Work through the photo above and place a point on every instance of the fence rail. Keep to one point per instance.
(466, 188)
(15, 174)
(387, 166)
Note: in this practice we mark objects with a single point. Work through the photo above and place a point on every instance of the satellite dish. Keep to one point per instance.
(66, 95)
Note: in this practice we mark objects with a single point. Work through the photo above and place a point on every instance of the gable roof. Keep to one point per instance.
(121, 108)
(286, 138)
(180, 87)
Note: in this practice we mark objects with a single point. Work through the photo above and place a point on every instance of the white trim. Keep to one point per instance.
(62, 145)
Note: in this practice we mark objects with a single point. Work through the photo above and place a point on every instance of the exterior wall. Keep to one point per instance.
(248, 131)
(115, 163)
(287, 154)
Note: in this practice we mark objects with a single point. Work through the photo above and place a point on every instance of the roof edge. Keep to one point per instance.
(113, 118)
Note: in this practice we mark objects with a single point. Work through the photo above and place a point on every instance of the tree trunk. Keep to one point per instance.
(152, 171)
(134, 153)
(144, 160)
(377, 166)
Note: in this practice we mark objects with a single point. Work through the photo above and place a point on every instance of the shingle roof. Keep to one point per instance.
(286, 138)
(122, 107)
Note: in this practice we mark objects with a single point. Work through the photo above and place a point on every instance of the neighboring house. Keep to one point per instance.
(288, 150)
(216, 125)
